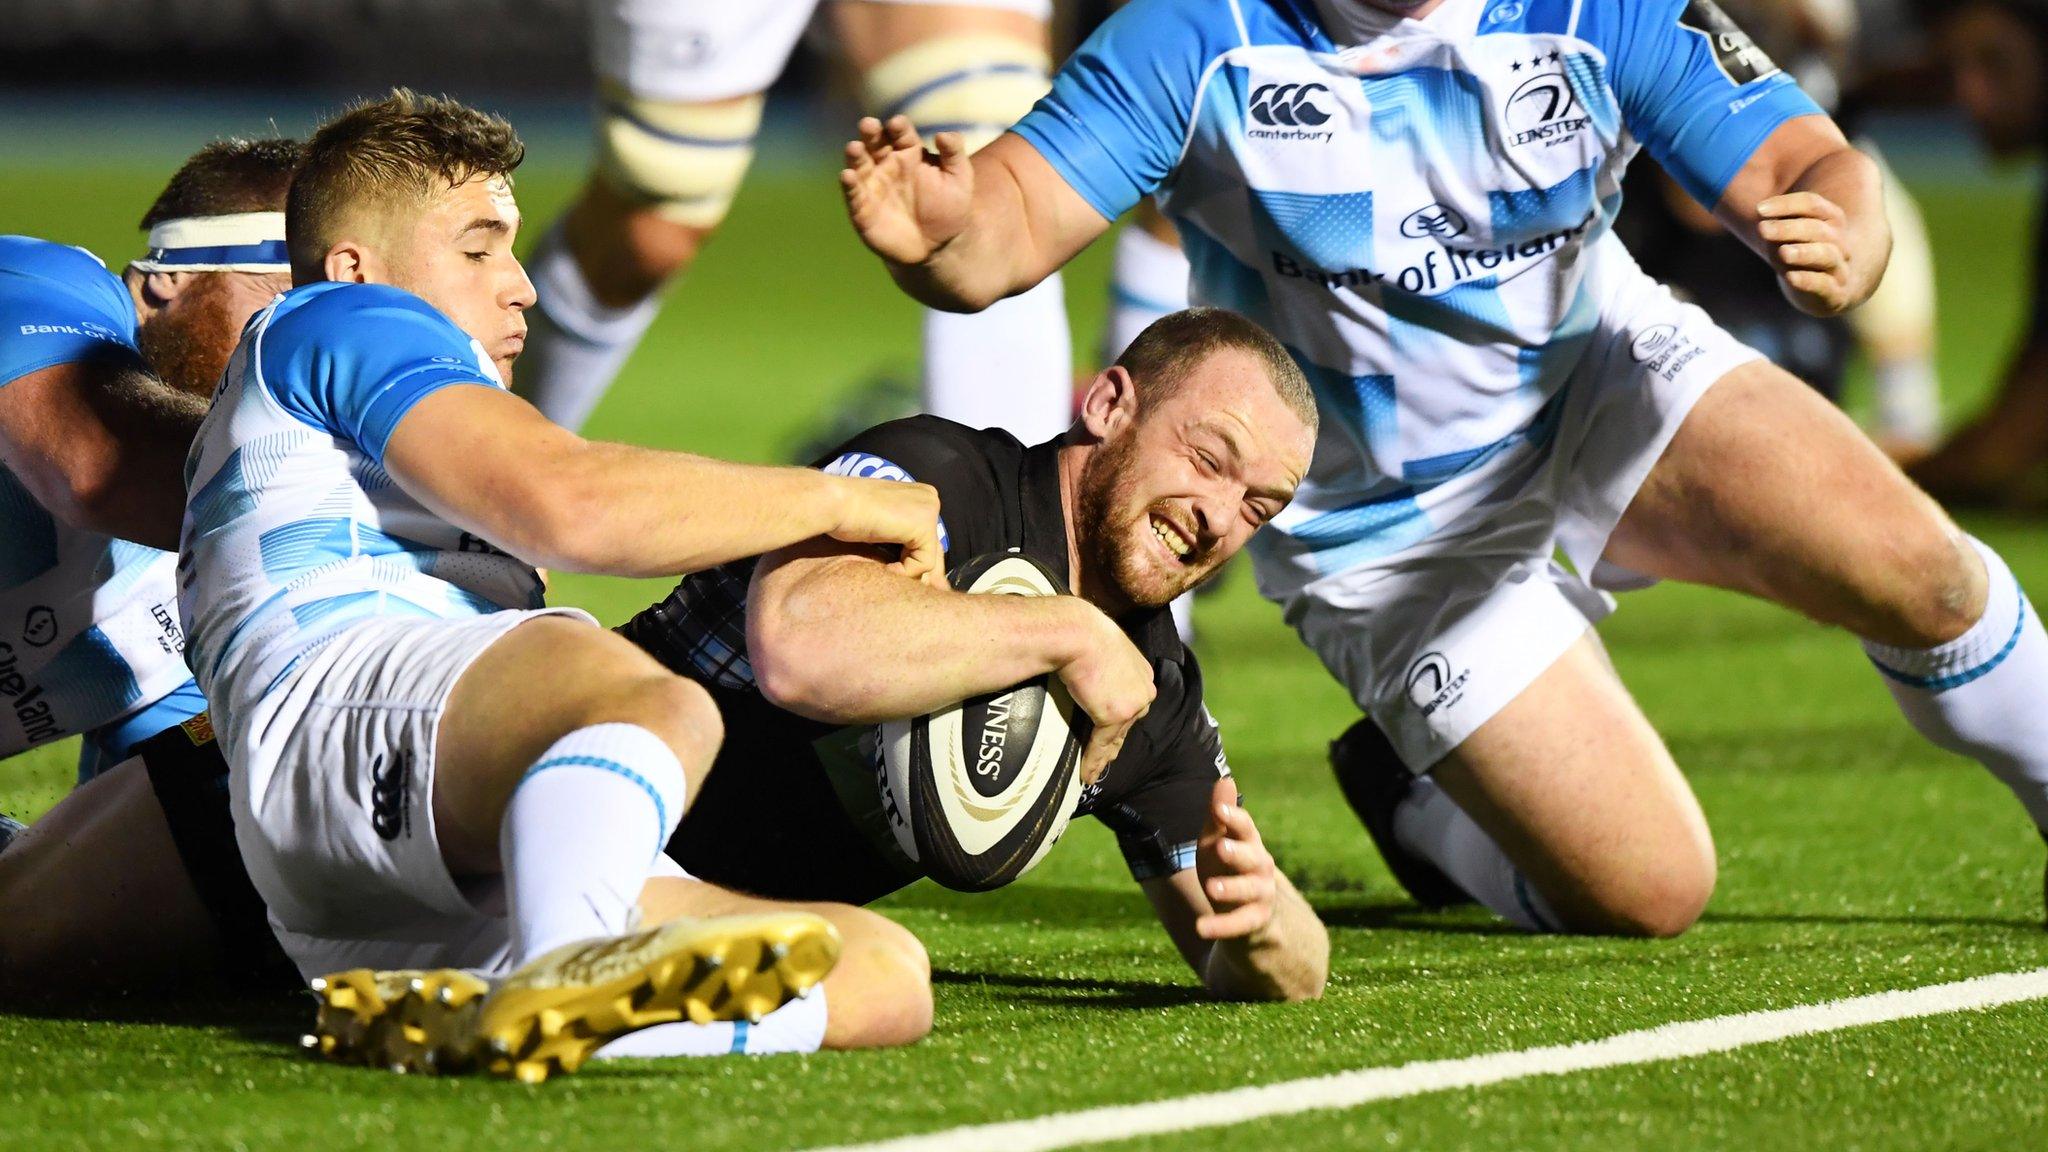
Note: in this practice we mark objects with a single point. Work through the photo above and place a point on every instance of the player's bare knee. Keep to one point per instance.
(1937, 592)
(881, 989)
(1664, 899)
(679, 711)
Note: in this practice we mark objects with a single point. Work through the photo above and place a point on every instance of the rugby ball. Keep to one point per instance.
(978, 792)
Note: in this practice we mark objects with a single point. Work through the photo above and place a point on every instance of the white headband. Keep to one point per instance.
(244, 242)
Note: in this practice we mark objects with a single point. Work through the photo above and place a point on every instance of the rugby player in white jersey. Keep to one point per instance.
(1415, 196)
(105, 380)
(681, 88)
(428, 768)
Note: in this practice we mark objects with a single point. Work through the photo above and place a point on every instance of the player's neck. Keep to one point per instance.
(1073, 460)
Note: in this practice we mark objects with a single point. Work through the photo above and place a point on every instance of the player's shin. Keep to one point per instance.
(576, 344)
(1430, 824)
(1148, 280)
(1009, 366)
(1982, 693)
(580, 832)
(798, 1026)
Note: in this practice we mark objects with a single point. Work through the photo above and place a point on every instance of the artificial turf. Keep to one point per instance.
(1854, 858)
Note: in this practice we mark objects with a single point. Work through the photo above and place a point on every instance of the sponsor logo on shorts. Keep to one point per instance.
(1289, 112)
(1543, 109)
(1433, 686)
(391, 795)
(1663, 349)
(1735, 54)
(25, 698)
(1438, 221)
(41, 625)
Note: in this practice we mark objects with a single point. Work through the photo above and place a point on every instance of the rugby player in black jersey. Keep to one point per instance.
(1195, 438)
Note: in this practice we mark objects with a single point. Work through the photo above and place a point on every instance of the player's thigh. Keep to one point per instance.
(878, 995)
(1577, 788)
(94, 895)
(541, 680)
(1768, 489)
(868, 32)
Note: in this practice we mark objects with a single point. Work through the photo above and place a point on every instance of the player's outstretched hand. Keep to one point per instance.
(1236, 871)
(1816, 266)
(1112, 682)
(905, 514)
(905, 202)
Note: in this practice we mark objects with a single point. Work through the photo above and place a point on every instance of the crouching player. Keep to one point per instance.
(1196, 438)
(429, 770)
(103, 380)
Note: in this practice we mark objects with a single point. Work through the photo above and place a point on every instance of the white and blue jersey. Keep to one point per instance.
(1419, 210)
(293, 529)
(89, 637)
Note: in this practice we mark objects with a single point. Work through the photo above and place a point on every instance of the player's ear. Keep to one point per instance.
(160, 288)
(1111, 403)
(348, 262)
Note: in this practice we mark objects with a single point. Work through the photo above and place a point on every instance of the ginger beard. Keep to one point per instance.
(189, 348)
(1115, 537)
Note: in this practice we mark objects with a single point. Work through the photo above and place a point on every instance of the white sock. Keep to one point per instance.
(1985, 693)
(1148, 280)
(1430, 824)
(798, 1026)
(1908, 400)
(575, 345)
(1010, 366)
(579, 833)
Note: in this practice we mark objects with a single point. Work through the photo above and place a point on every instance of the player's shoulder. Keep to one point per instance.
(356, 322)
(49, 260)
(1197, 30)
(1618, 24)
(924, 448)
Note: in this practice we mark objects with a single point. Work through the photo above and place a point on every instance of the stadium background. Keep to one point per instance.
(1854, 858)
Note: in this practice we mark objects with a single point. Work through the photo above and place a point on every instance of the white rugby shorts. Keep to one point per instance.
(334, 807)
(1436, 639)
(690, 51)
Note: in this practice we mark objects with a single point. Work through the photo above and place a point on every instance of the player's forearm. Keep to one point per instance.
(843, 640)
(616, 510)
(1288, 959)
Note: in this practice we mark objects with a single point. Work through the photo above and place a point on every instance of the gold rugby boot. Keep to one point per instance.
(552, 1013)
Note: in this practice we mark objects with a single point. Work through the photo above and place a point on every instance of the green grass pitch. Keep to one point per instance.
(1854, 858)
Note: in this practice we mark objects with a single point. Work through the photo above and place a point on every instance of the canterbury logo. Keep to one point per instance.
(1288, 105)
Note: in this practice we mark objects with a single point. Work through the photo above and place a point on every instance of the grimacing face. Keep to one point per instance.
(1179, 490)
(1995, 70)
(456, 254)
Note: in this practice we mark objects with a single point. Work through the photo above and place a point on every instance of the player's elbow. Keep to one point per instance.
(551, 521)
(801, 657)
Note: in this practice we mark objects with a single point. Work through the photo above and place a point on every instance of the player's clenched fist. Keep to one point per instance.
(905, 202)
(903, 513)
(1111, 681)
(1816, 264)
(1236, 871)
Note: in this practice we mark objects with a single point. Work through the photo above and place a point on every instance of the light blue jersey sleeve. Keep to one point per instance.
(59, 305)
(1694, 89)
(1117, 117)
(353, 359)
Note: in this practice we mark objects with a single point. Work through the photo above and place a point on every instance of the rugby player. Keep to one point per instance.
(1196, 437)
(1416, 197)
(430, 770)
(105, 381)
(681, 87)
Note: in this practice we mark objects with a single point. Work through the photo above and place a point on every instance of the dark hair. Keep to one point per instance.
(228, 177)
(404, 146)
(1175, 344)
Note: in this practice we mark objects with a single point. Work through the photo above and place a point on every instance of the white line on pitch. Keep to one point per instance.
(1349, 1089)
